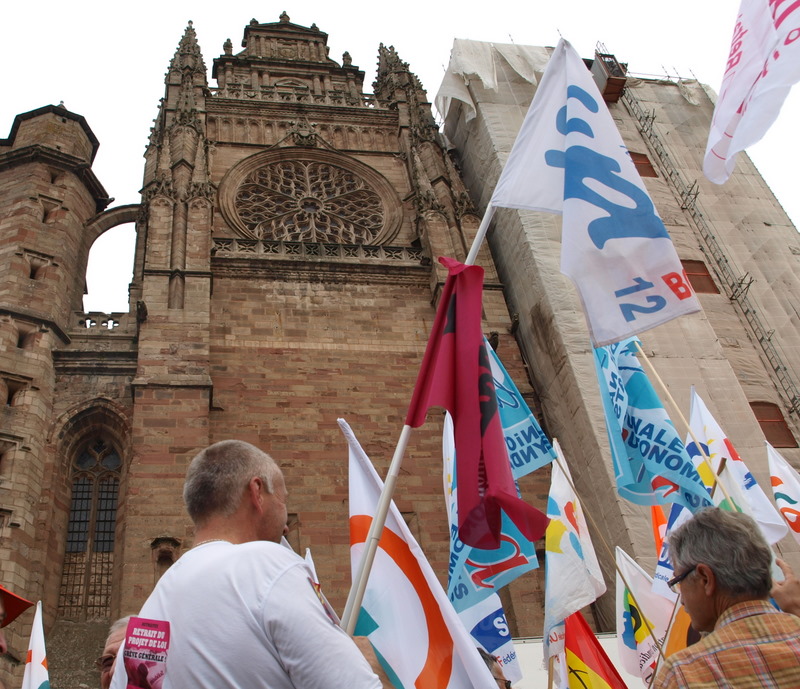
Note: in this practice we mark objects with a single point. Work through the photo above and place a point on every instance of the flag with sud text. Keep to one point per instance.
(588, 665)
(36, 674)
(786, 489)
(651, 464)
(474, 575)
(456, 374)
(569, 158)
(406, 614)
(642, 619)
(722, 453)
(573, 578)
(763, 64)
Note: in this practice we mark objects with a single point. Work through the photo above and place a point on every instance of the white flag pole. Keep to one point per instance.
(359, 586)
(479, 236)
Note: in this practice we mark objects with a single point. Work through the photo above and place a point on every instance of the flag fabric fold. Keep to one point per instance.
(763, 64)
(573, 578)
(36, 674)
(786, 489)
(405, 614)
(456, 374)
(569, 158)
(651, 464)
(528, 447)
(745, 491)
(642, 619)
(475, 575)
(588, 665)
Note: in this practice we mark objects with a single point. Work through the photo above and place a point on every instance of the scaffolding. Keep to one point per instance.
(737, 285)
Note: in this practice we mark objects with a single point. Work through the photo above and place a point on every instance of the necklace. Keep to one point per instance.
(210, 540)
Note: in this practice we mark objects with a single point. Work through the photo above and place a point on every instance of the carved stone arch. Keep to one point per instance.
(309, 195)
(111, 218)
(72, 426)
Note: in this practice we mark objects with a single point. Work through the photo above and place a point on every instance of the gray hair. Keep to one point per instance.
(731, 544)
(116, 625)
(217, 477)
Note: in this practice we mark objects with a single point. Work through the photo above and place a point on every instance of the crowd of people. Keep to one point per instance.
(243, 610)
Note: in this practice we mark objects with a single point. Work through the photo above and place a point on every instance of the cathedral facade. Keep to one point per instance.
(285, 275)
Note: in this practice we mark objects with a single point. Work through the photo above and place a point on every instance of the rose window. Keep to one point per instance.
(309, 201)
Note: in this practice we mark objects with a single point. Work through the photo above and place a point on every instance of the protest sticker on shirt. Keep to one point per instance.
(145, 652)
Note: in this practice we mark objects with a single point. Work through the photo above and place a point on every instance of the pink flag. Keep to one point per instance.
(763, 64)
(456, 374)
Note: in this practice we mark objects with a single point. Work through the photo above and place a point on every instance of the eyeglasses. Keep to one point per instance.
(104, 663)
(505, 683)
(675, 581)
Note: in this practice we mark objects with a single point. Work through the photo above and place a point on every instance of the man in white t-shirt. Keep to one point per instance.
(242, 608)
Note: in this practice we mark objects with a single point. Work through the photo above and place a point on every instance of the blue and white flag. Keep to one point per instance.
(569, 158)
(487, 624)
(528, 446)
(651, 464)
(473, 573)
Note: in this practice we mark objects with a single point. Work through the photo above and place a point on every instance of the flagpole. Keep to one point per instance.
(359, 586)
(611, 553)
(676, 409)
(356, 595)
(479, 235)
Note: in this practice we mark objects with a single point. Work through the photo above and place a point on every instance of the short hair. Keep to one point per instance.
(488, 658)
(217, 476)
(731, 544)
(116, 625)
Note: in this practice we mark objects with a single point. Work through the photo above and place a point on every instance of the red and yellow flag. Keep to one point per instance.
(588, 666)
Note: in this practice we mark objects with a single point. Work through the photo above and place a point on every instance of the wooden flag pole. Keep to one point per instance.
(359, 586)
(676, 409)
(356, 595)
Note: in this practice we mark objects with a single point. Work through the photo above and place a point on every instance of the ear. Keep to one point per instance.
(707, 579)
(254, 493)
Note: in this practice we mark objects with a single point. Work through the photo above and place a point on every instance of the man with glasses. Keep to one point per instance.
(494, 667)
(106, 662)
(722, 567)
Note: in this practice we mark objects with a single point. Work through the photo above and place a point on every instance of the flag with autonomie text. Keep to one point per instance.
(456, 374)
(786, 489)
(36, 674)
(569, 158)
(763, 64)
(588, 665)
(573, 578)
(651, 464)
(406, 614)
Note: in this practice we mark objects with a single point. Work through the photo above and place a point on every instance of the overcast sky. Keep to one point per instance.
(106, 61)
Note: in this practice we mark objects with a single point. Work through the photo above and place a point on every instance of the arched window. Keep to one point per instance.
(89, 558)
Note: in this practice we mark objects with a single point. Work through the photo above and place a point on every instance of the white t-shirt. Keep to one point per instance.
(247, 616)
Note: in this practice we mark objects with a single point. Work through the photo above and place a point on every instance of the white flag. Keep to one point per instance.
(572, 574)
(641, 615)
(762, 66)
(737, 479)
(36, 675)
(569, 158)
(786, 489)
(406, 614)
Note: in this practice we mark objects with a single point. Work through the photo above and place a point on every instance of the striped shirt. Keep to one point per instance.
(753, 646)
